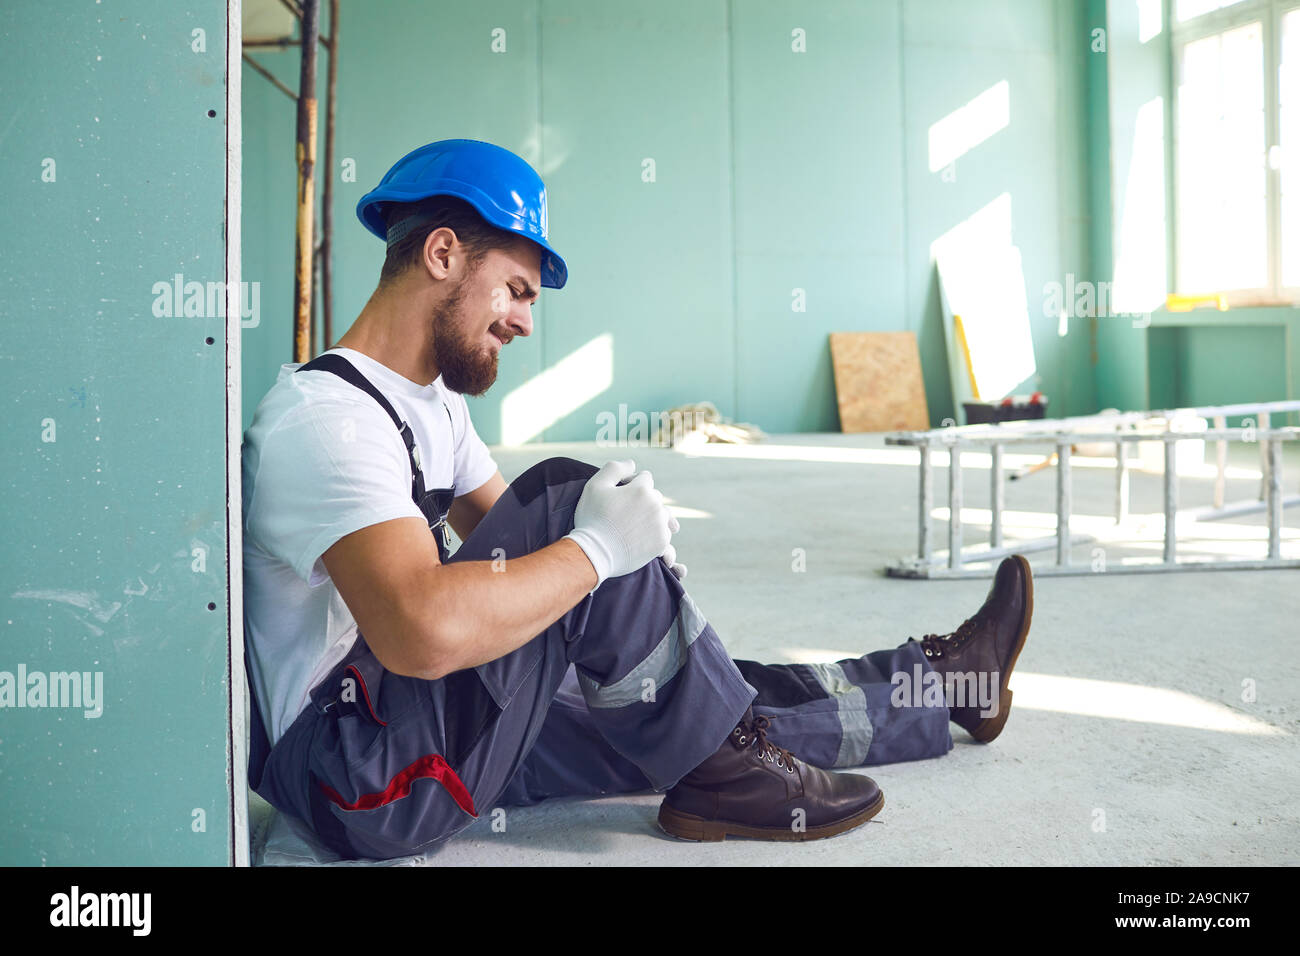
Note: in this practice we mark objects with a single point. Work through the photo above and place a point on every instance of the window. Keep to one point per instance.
(1237, 149)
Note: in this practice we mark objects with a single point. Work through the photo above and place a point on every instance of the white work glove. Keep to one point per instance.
(670, 557)
(621, 527)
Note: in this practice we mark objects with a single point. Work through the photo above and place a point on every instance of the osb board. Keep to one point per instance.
(878, 383)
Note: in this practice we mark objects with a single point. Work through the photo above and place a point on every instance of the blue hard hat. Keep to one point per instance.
(505, 190)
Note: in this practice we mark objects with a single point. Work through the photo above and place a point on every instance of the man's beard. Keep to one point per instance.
(466, 365)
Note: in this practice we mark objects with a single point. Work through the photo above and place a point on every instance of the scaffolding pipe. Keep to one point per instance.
(304, 248)
(327, 197)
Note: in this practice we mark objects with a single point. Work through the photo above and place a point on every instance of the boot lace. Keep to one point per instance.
(938, 645)
(755, 736)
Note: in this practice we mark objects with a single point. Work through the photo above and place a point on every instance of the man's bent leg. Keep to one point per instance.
(661, 689)
(382, 765)
(570, 758)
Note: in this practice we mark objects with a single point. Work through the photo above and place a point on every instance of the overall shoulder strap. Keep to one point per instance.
(345, 370)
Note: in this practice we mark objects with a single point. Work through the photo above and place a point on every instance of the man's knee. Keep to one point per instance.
(549, 473)
(536, 510)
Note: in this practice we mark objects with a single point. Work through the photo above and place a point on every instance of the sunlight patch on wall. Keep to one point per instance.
(967, 126)
(566, 386)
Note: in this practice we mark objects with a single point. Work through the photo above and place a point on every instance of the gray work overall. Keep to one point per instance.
(629, 690)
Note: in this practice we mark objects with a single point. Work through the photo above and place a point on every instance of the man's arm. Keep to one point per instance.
(468, 509)
(426, 619)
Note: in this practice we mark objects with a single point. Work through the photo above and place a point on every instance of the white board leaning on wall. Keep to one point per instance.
(984, 302)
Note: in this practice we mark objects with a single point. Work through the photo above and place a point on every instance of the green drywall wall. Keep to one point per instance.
(1220, 366)
(1197, 365)
(1026, 175)
(819, 198)
(1137, 99)
(624, 86)
(1097, 149)
(114, 519)
(1068, 359)
(1206, 357)
(1165, 352)
(774, 170)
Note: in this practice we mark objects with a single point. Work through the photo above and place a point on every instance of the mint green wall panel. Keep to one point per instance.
(1223, 365)
(637, 150)
(1013, 26)
(114, 518)
(1165, 352)
(413, 72)
(819, 205)
(1098, 154)
(952, 54)
(1066, 361)
(1138, 103)
(1202, 364)
(1120, 79)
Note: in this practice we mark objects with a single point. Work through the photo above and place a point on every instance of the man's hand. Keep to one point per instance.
(670, 556)
(621, 522)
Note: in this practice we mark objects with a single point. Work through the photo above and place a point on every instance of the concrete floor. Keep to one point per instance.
(1129, 742)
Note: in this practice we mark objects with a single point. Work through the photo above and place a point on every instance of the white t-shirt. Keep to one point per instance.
(320, 460)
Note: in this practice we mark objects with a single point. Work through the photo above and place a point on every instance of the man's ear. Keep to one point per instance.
(437, 252)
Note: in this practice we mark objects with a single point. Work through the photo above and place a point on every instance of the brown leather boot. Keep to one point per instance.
(753, 788)
(986, 646)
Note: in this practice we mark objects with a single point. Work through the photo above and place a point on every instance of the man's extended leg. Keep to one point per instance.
(831, 715)
(848, 714)
(884, 707)
(894, 705)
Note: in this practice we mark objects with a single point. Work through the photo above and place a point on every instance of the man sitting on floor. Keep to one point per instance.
(398, 688)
